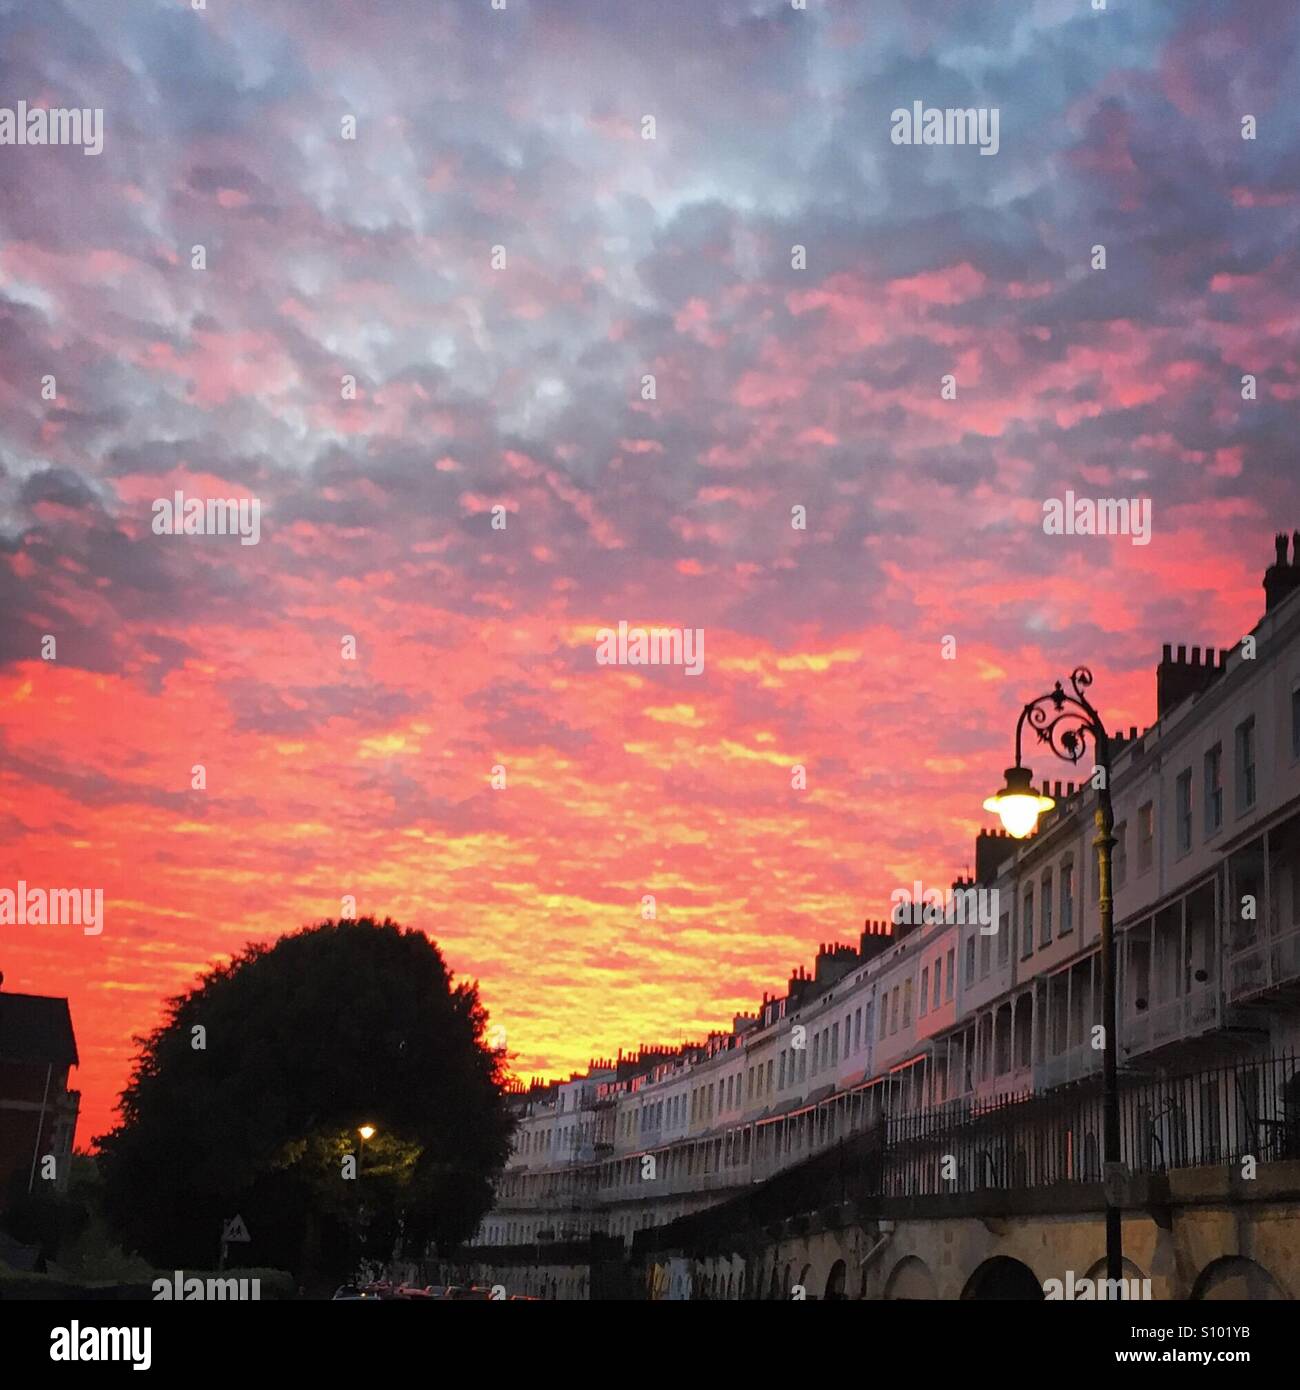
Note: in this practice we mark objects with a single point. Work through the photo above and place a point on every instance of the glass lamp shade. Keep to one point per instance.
(1019, 804)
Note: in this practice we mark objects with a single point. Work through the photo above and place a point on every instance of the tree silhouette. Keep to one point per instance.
(248, 1097)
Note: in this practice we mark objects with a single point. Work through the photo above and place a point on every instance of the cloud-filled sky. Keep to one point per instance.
(521, 386)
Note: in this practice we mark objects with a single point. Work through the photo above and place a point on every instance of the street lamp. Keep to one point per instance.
(365, 1132)
(1066, 723)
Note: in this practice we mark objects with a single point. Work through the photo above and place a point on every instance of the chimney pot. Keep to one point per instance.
(1168, 653)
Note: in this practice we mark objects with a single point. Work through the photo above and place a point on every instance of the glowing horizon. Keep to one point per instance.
(489, 389)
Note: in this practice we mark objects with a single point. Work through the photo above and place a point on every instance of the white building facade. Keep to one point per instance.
(967, 1014)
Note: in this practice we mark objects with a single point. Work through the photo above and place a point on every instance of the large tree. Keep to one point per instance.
(248, 1097)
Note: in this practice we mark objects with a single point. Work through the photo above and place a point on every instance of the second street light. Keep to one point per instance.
(1067, 723)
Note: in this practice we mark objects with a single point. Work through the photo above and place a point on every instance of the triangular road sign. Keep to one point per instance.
(235, 1230)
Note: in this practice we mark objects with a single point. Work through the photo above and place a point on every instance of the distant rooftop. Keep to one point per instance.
(34, 1028)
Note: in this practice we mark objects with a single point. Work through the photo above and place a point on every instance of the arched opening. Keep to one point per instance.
(835, 1282)
(805, 1279)
(1235, 1277)
(1135, 1281)
(786, 1280)
(1003, 1279)
(773, 1288)
(911, 1279)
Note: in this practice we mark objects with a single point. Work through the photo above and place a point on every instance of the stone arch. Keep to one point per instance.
(1002, 1278)
(1127, 1268)
(805, 1279)
(911, 1279)
(1236, 1277)
(835, 1283)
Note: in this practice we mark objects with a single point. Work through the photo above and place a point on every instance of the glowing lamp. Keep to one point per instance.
(1018, 804)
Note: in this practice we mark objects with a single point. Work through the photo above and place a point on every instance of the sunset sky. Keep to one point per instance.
(522, 387)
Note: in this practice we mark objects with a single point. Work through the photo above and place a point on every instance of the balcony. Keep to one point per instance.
(1070, 1065)
(1185, 1017)
(1264, 965)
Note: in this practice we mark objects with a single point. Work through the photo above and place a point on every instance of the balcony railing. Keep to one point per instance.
(1263, 965)
(1070, 1065)
(1175, 1019)
(1197, 1119)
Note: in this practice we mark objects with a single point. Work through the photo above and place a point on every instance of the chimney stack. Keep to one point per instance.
(1280, 578)
(1177, 678)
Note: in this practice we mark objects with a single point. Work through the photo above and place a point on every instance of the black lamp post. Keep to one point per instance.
(1066, 723)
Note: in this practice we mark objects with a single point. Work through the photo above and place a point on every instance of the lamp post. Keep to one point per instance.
(1066, 722)
(364, 1132)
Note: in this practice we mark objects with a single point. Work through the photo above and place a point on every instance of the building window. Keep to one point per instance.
(1146, 836)
(770, 1068)
(1067, 898)
(857, 1030)
(1121, 854)
(1027, 925)
(986, 953)
(1004, 933)
(835, 1043)
(970, 961)
(907, 1002)
(1214, 789)
(884, 1013)
(1183, 811)
(1246, 764)
(952, 966)
(923, 1004)
(1047, 910)
(893, 1012)
(1295, 722)
(938, 978)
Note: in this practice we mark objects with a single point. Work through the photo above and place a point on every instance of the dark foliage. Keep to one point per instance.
(335, 1026)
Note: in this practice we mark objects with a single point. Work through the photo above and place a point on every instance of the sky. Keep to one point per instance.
(499, 259)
